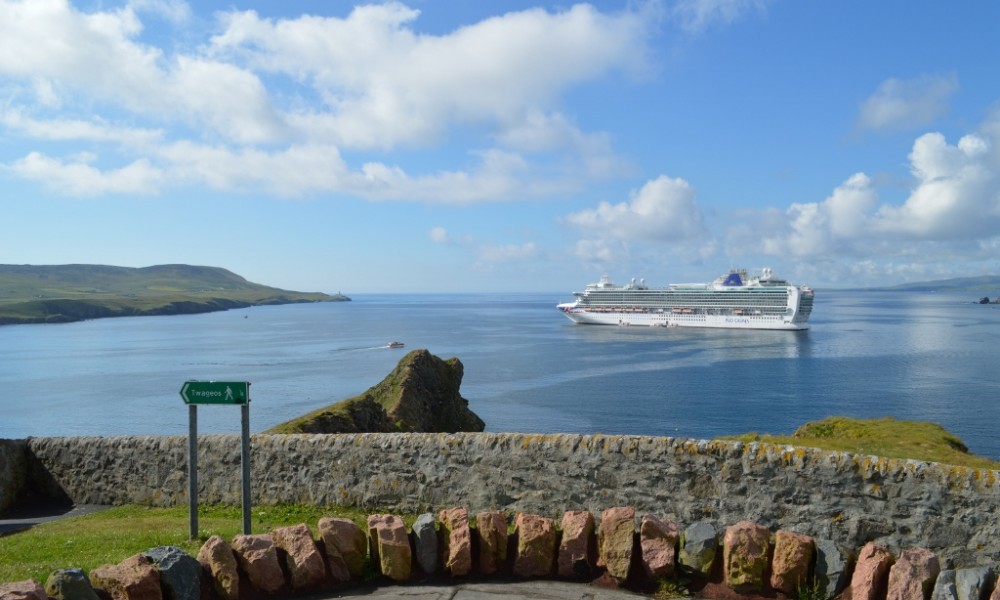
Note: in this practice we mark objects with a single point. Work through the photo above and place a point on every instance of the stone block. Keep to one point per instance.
(698, 547)
(944, 587)
(180, 573)
(658, 540)
(258, 557)
(390, 546)
(29, 589)
(346, 547)
(491, 533)
(425, 543)
(536, 546)
(913, 575)
(974, 583)
(615, 537)
(306, 567)
(745, 548)
(219, 561)
(793, 555)
(457, 537)
(70, 584)
(135, 578)
(576, 552)
(871, 573)
(832, 572)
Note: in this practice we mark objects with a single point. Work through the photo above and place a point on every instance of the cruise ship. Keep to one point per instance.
(734, 300)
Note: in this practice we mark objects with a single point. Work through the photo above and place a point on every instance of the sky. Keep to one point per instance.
(453, 146)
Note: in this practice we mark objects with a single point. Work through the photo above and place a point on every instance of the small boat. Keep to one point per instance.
(394, 345)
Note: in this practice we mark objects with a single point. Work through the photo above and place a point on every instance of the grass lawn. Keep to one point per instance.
(110, 536)
(884, 437)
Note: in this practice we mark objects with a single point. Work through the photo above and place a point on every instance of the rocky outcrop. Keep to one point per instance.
(420, 395)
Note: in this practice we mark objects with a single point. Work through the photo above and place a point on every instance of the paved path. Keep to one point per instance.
(523, 590)
(25, 517)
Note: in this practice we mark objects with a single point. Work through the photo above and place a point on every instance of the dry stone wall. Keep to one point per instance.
(13, 471)
(849, 499)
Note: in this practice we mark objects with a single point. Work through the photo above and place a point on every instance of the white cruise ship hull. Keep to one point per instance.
(655, 319)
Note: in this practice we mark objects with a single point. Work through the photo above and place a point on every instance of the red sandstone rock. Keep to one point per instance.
(536, 546)
(575, 553)
(346, 547)
(491, 529)
(135, 578)
(28, 589)
(793, 553)
(258, 558)
(457, 538)
(614, 541)
(216, 556)
(744, 556)
(390, 546)
(871, 572)
(913, 575)
(305, 564)
(658, 540)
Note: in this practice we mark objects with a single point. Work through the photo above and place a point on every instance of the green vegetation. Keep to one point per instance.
(64, 293)
(110, 536)
(884, 437)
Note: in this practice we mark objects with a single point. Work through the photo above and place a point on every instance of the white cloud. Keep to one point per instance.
(957, 195)
(76, 129)
(815, 229)
(78, 178)
(698, 15)
(664, 210)
(438, 235)
(384, 84)
(264, 93)
(489, 253)
(952, 209)
(906, 104)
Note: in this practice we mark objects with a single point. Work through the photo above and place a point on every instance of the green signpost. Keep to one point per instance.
(216, 392)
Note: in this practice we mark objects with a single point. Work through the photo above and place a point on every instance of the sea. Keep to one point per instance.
(906, 355)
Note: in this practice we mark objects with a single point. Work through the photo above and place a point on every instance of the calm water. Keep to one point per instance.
(527, 368)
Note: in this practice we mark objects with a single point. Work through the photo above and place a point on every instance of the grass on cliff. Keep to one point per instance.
(89, 541)
(885, 437)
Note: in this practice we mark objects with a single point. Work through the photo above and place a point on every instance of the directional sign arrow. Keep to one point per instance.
(216, 392)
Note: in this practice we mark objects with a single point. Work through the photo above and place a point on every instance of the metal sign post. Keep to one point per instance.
(216, 392)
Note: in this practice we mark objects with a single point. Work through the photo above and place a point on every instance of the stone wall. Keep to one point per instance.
(850, 499)
(13, 472)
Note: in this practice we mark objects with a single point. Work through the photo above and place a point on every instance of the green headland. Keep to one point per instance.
(66, 293)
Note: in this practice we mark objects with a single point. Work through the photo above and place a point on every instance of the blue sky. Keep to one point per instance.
(503, 146)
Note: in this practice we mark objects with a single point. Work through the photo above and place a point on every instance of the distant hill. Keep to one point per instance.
(65, 293)
(983, 283)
